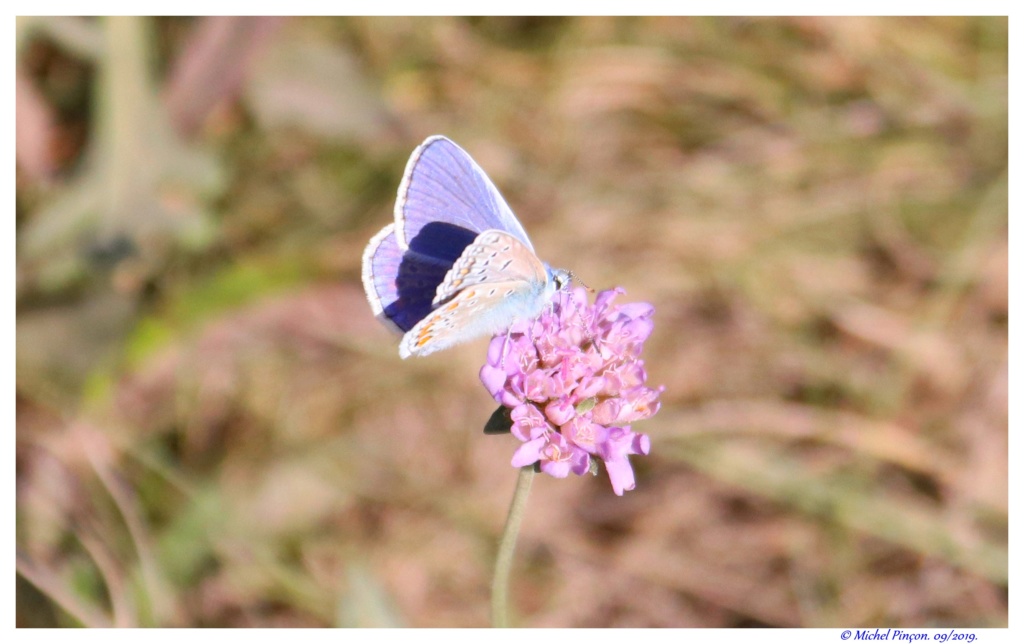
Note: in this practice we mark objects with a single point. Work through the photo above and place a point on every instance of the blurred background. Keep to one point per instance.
(212, 430)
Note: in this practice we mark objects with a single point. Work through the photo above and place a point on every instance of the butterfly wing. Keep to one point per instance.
(381, 259)
(496, 281)
(474, 312)
(401, 283)
(455, 245)
(494, 256)
(443, 185)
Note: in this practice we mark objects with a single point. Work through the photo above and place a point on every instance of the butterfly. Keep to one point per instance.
(456, 264)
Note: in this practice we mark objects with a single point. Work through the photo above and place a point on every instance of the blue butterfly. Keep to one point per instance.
(456, 264)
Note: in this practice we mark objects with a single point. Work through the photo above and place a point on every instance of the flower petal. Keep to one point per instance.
(494, 379)
(620, 472)
(559, 412)
(607, 411)
(528, 453)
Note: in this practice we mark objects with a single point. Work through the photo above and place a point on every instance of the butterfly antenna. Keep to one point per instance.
(574, 276)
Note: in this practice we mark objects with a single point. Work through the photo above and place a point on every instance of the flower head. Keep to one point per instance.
(574, 381)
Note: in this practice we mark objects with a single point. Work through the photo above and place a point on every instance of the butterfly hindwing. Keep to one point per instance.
(401, 283)
(381, 260)
(473, 312)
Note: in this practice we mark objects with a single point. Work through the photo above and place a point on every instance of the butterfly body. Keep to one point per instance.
(456, 264)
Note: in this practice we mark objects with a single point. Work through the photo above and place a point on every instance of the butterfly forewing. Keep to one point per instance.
(442, 184)
(494, 256)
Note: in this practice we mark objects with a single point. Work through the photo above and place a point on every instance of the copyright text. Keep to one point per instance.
(898, 635)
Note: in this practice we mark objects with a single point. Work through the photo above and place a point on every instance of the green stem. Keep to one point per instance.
(503, 567)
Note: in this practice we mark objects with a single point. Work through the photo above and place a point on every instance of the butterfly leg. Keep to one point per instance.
(504, 347)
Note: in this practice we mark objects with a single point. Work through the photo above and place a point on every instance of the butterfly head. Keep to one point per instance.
(560, 278)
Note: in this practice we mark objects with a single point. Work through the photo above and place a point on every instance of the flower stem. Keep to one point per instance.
(503, 566)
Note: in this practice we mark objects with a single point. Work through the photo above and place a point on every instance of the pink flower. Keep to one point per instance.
(574, 381)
